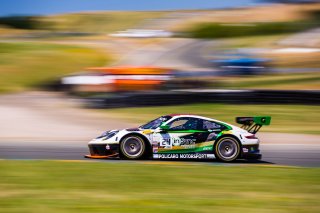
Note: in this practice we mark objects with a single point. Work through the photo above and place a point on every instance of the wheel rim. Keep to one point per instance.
(132, 146)
(228, 149)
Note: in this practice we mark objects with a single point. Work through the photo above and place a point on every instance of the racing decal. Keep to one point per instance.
(147, 131)
(224, 132)
(167, 143)
(200, 142)
(184, 156)
(250, 148)
(199, 147)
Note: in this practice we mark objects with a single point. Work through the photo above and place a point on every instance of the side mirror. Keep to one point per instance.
(164, 127)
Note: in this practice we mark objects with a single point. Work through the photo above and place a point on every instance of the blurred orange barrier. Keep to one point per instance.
(124, 78)
(134, 70)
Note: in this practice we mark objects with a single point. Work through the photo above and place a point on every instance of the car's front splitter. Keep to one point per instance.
(103, 151)
(116, 155)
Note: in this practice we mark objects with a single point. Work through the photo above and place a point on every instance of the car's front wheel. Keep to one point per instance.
(227, 149)
(132, 147)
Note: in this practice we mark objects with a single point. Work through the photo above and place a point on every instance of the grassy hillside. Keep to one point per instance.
(26, 65)
(85, 22)
(268, 20)
(101, 22)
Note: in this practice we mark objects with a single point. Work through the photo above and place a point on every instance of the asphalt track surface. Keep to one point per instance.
(280, 154)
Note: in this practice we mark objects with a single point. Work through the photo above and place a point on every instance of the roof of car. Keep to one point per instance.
(193, 116)
(185, 114)
(198, 116)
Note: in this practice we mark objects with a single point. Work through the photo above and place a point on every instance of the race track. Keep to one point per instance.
(47, 126)
(280, 154)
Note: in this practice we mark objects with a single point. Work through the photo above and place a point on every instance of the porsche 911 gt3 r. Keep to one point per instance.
(182, 136)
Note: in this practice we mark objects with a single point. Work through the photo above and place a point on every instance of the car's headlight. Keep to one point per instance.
(107, 134)
(110, 135)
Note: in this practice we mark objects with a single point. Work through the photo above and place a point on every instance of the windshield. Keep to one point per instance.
(155, 123)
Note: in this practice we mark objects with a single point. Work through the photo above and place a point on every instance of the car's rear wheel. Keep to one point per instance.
(132, 147)
(227, 149)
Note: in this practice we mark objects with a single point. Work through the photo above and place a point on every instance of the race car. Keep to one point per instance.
(182, 136)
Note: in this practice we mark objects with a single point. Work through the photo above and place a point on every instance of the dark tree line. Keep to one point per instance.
(21, 22)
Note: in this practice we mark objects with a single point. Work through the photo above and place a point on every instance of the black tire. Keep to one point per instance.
(227, 149)
(132, 147)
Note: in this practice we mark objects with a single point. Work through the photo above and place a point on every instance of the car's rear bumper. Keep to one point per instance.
(253, 156)
(251, 152)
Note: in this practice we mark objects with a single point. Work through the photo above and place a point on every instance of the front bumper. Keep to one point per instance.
(100, 151)
(251, 152)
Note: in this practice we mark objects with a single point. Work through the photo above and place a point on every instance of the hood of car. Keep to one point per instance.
(133, 129)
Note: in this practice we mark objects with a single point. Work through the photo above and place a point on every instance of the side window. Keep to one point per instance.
(185, 123)
(211, 125)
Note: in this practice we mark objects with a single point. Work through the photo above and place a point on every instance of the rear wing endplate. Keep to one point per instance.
(253, 124)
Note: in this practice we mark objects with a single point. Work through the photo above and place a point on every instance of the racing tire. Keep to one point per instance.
(227, 149)
(132, 147)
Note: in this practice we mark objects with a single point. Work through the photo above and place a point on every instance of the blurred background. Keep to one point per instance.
(71, 70)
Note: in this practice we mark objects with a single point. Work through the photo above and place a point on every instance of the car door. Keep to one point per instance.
(187, 135)
(212, 130)
(181, 136)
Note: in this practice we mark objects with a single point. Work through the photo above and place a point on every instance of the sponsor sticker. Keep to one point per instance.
(184, 156)
(208, 148)
(169, 142)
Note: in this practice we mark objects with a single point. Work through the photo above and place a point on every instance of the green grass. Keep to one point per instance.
(26, 65)
(285, 118)
(44, 186)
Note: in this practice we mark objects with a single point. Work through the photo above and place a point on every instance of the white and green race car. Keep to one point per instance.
(182, 136)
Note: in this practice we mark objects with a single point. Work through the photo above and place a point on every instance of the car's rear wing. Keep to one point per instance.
(253, 124)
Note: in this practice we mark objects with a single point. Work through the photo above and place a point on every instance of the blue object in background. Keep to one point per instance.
(242, 65)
